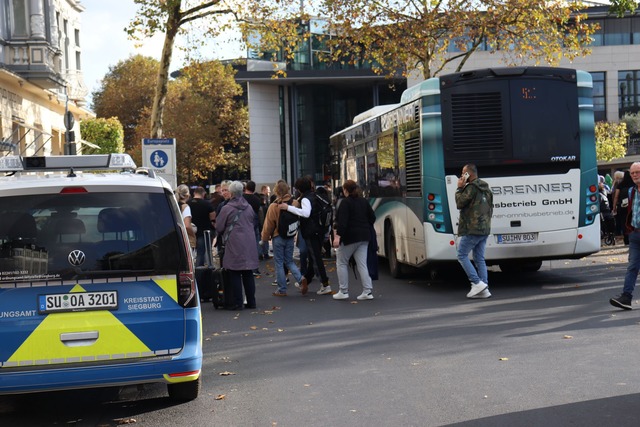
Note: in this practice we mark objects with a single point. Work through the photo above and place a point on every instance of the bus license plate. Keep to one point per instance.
(78, 301)
(505, 239)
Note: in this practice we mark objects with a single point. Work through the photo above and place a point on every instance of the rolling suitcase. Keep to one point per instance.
(205, 273)
(217, 285)
(223, 297)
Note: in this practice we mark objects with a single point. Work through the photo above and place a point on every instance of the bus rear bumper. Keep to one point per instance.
(562, 244)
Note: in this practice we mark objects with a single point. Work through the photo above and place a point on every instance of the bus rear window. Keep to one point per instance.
(502, 122)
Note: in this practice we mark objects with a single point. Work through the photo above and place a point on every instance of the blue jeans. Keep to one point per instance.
(200, 251)
(283, 256)
(634, 263)
(201, 259)
(304, 251)
(476, 244)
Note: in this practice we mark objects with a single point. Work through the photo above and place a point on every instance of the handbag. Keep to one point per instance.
(227, 232)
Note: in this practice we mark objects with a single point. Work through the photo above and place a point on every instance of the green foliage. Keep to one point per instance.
(633, 123)
(611, 140)
(402, 35)
(621, 7)
(125, 91)
(106, 133)
(205, 113)
(195, 19)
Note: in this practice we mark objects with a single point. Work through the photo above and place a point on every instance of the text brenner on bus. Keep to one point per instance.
(530, 131)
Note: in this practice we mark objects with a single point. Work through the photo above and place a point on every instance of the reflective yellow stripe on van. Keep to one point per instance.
(169, 285)
(113, 339)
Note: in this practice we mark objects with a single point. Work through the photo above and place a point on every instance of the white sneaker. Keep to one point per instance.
(365, 295)
(340, 295)
(476, 288)
(324, 290)
(483, 294)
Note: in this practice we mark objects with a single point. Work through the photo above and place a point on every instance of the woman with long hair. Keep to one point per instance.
(355, 217)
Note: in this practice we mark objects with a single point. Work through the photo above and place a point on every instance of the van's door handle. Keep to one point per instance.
(77, 339)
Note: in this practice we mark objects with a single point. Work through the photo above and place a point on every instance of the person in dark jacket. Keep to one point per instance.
(311, 234)
(202, 215)
(355, 217)
(475, 201)
(235, 225)
(620, 206)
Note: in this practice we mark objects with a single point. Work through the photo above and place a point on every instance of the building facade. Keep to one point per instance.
(291, 118)
(40, 76)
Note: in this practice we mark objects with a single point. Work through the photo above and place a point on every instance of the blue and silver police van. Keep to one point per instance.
(96, 278)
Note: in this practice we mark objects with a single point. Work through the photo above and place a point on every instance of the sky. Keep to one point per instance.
(105, 43)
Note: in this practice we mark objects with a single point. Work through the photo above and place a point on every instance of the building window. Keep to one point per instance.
(617, 32)
(599, 96)
(65, 31)
(598, 36)
(20, 18)
(635, 30)
(628, 97)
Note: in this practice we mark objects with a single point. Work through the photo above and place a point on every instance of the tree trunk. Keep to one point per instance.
(173, 24)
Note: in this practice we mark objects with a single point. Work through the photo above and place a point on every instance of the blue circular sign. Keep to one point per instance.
(159, 159)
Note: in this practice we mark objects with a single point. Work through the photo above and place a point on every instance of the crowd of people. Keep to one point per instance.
(614, 203)
(247, 227)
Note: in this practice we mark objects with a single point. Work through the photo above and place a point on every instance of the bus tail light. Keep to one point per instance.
(593, 204)
(434, 211)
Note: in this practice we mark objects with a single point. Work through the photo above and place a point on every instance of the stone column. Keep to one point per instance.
(36, 9)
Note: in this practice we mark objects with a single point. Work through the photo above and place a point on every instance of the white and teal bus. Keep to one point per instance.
(530, 132)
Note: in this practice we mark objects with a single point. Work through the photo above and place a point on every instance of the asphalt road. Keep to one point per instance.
(546, 349)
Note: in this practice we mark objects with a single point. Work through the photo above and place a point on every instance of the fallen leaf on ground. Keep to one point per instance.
(220, 396)
(567, 337)
(253, 328)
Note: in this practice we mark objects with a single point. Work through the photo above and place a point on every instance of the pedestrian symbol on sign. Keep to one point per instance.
(159, 158)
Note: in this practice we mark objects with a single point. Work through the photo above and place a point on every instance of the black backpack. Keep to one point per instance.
(288, 224)
(323, 211)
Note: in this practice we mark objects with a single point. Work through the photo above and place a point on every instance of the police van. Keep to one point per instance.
(96, 278)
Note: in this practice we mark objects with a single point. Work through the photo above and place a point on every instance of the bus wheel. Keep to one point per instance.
(394, 266)
(531, 266)
(432, 273)
(521, 267)
(509, 267)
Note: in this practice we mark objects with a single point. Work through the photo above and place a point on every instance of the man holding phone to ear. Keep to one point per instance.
(475, 201)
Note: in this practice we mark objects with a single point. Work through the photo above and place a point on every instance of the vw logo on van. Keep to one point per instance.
(76, 258)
